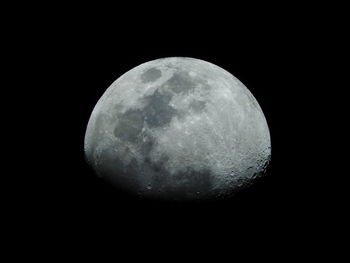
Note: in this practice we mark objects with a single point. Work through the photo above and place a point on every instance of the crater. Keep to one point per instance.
(151, 75)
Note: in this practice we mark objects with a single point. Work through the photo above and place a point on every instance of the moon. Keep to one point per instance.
(178, 129)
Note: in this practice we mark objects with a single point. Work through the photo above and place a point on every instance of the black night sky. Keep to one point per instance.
(265, 63)
(80, 53)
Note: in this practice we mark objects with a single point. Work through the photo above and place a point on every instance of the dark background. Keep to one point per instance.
(266, 62)
(75, 53)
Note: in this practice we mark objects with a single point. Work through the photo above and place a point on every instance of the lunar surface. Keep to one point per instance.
(178, 129)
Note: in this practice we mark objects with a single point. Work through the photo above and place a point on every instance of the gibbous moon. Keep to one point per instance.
(178, 129)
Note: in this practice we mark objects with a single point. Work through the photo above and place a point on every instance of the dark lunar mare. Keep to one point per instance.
(151, 75)
(181, 82)
(156, 113)
(114, 158)
(129, 125)
(197, 106)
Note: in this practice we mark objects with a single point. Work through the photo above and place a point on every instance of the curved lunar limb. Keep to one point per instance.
(178, 129)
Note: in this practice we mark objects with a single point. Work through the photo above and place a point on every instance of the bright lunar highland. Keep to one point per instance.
(178, 129)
